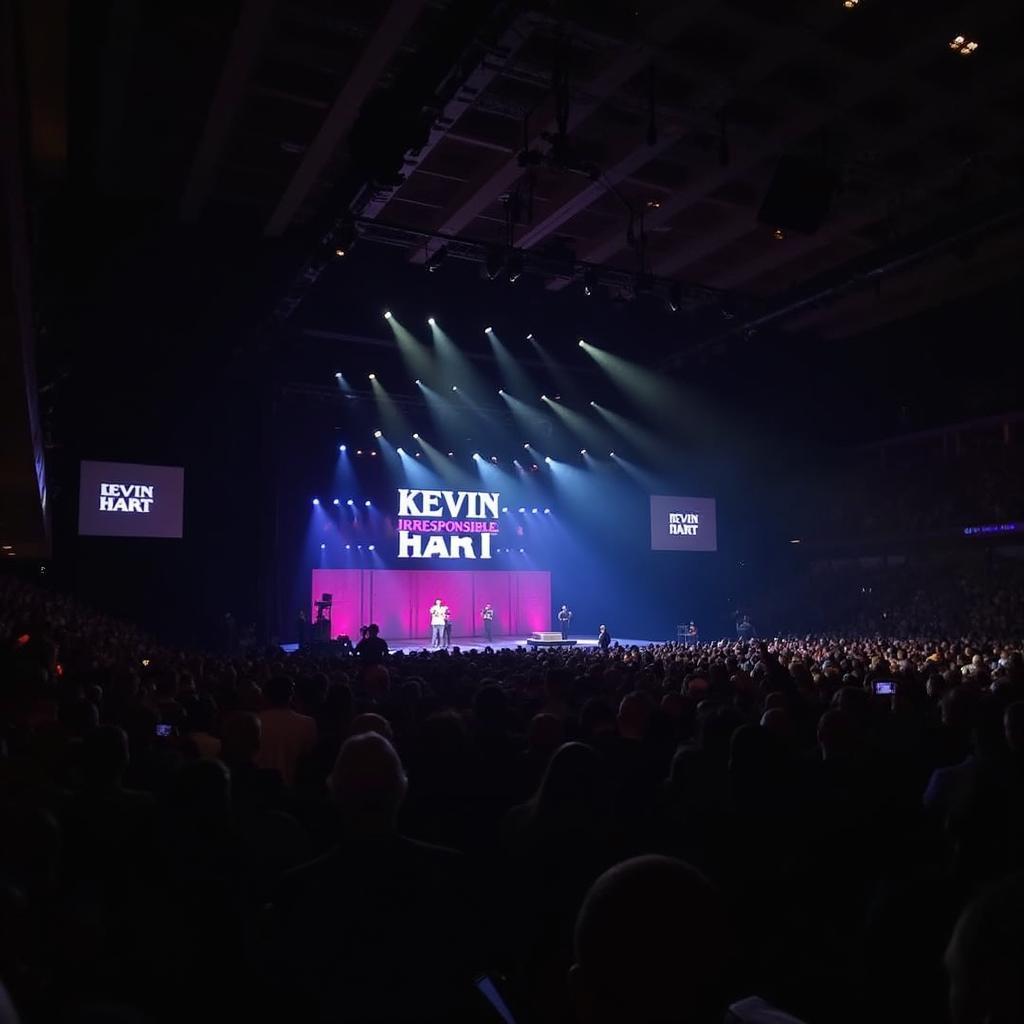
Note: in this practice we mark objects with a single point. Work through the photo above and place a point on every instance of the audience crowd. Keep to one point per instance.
(824, 827)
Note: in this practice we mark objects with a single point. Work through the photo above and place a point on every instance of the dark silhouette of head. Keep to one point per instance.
(243, 734)
(984, 957)
(651, 946)
(574, 788)
(373, 629)
(104, 756)
(280, 690)
(368, 785)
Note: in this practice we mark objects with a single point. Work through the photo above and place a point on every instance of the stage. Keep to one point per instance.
(507, 643)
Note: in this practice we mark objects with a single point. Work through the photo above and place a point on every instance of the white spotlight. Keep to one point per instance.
(583, 451)
(378, 433)
(387, 314)
(455, 387)
(400, 450)
(372, 376)
(415, 437)
(488, 330)
(431, 321)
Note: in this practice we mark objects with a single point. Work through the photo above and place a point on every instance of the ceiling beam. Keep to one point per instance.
(244, 51)
(864, 83)
(464, 98)
(933, 116)
(504, 174)
(377, 53)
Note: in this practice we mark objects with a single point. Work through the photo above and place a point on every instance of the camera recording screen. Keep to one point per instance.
(683, 524)
(123, 499)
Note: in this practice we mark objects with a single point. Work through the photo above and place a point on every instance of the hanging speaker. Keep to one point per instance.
(800, 195)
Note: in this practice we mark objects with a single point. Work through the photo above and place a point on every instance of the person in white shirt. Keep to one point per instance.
(438, 617)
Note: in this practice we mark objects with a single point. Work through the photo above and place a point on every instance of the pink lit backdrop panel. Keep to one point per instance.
(398, 600)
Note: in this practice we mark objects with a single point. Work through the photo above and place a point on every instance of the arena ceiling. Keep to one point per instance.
(639, 137)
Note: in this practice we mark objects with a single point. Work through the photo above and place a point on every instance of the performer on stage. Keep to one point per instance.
(447, 627)
(438, 614)
(604, 638)
(488, 616)
(691, 634)
(564, 618)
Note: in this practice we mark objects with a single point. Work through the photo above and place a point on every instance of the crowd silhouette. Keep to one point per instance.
(824, 827)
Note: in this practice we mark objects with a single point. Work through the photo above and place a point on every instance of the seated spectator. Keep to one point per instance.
(378, 928)
(287, 736)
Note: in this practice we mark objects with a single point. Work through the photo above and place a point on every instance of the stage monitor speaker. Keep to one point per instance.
(799, 195)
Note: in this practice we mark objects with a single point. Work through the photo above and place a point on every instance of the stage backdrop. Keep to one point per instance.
(398, 600)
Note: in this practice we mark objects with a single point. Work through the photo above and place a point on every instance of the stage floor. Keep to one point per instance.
(507, 643)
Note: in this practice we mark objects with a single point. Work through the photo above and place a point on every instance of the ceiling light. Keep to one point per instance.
(778, 234)
(963, 45)
(488, 330)
(850, 4)
(455, 387)
(415, 437)
(372, 376)
(431, 321)
(378, 433)
(387, 314)
(583, 451)
(493, 264)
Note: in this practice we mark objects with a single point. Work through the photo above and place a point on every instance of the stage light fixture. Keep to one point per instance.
(850, 4)
(337, 376)
(488, 330)
(527, 445)
(342, 448)
(431, 321)
(367, 503)
(350, 502)
(372, 376)
(400, 450)
(387, 314)
(451, 455)
(372, 547)
(548, 459)
(547, 511)
(337, 501)
(543, 398)
(359, 451)
(476, 455)
(316, 501)
(529, 337)
(522, 551)
(436, 259)
(323, 547)
(417, 381)
(415, 437)
(378, 433)
(583, 451)
(504, 508)
(778, 234)
(455, 387)
(675, 297)
(594, 404)
(611, 455)
(348, 547)
(589, 281)
(501, 391)
(494, 459)
(359, 547)
(522, 509)
(493, 264)
(515, 266)
(419, 454)
(373, 453)
(339, 251)
(581, 343)
(533, 511)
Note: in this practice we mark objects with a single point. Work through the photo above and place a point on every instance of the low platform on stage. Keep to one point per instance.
(549, 639)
